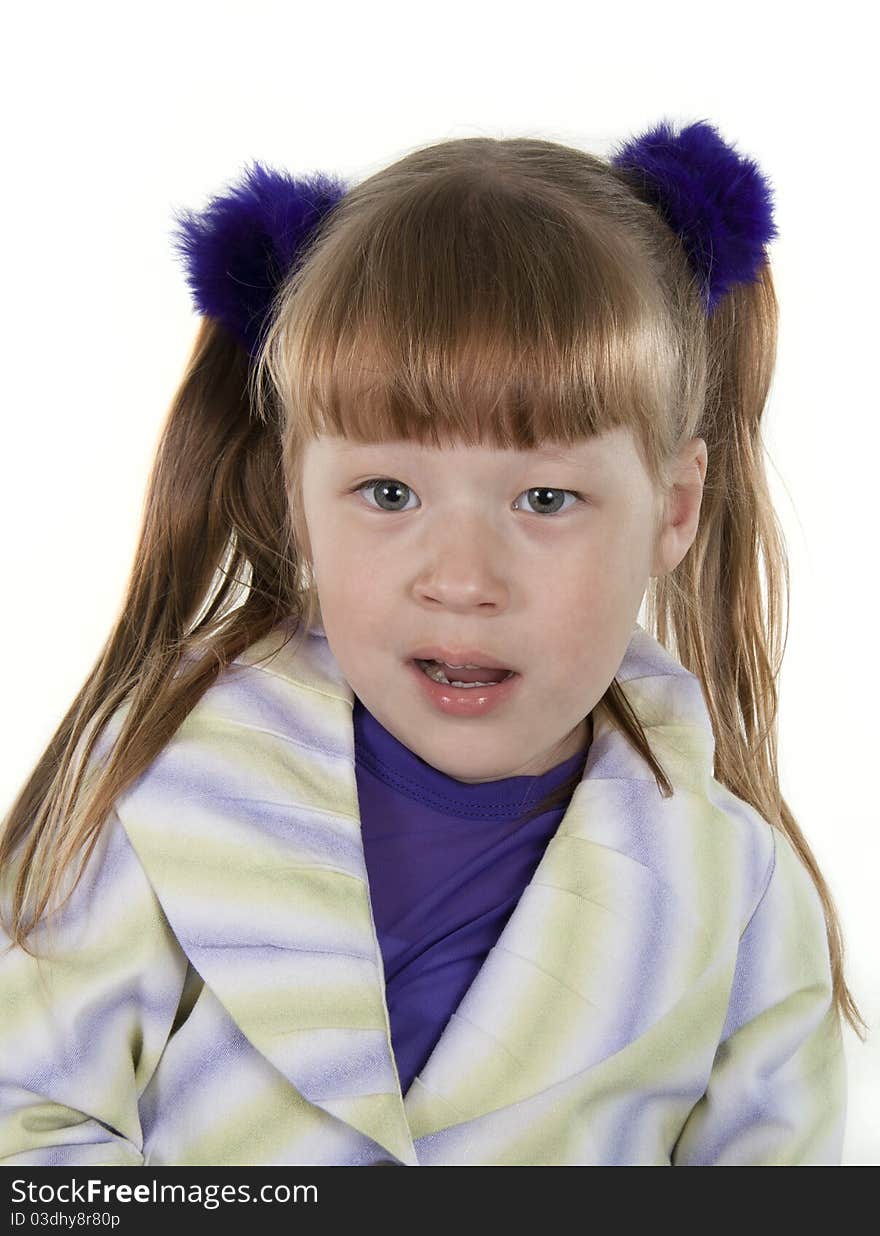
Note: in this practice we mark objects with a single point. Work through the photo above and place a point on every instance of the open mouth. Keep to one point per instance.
(446, 676)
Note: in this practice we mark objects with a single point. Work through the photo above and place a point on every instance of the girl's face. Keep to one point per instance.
(464, 548)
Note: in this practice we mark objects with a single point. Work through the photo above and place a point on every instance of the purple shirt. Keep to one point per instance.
(447, 862)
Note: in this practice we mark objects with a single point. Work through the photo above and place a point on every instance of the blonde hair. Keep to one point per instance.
(500, 292)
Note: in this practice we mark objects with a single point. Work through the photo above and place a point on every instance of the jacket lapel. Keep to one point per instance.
(248, 827)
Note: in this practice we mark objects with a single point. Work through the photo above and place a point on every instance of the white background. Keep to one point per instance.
(115, 115)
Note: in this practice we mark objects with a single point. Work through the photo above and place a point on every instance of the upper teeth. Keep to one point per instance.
(449, 665)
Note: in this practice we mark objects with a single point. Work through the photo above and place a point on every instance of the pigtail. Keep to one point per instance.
(214, 528)
(720, 611)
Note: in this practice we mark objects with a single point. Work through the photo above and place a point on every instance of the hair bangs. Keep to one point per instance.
(477, 313)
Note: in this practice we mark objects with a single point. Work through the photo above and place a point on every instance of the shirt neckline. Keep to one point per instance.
(387, 758)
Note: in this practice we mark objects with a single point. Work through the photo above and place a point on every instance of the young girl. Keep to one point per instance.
(382, 832)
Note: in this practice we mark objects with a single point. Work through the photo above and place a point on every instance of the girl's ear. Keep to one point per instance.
(682, 507)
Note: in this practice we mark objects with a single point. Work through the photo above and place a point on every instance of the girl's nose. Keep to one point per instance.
(463, 576)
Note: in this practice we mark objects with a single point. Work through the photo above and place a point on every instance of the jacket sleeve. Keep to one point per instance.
(776, 1094)
(84, 1024)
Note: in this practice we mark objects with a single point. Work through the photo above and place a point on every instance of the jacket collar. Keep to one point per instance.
(247, 825)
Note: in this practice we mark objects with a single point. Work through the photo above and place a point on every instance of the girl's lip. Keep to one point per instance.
(464, 701)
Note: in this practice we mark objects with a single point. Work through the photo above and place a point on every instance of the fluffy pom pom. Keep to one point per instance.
(718, 201)
(237, 250)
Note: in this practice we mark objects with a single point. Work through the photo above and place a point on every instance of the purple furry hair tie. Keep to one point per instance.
(718, 201)
(242, 246)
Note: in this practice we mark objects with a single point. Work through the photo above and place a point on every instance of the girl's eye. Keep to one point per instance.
(546, 501)
(552, 498)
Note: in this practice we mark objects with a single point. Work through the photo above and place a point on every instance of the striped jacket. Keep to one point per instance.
(213, 992)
